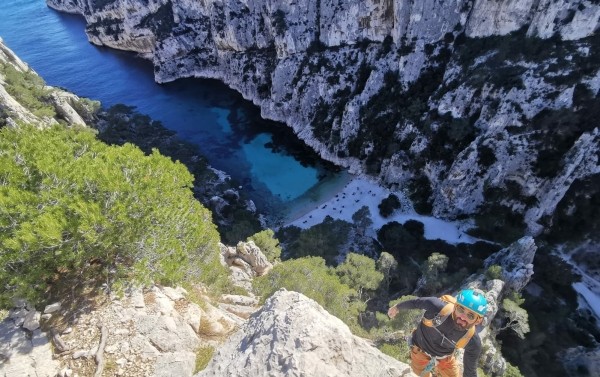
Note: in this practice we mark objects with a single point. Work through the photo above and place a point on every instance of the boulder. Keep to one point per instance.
(291, 336)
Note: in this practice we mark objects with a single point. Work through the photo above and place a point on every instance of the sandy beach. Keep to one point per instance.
(359, 192)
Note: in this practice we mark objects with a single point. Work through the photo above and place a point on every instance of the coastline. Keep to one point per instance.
(360, 191)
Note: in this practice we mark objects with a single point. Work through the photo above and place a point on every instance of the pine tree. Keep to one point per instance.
(72, 207)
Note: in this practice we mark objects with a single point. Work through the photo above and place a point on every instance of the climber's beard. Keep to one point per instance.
(461, 324)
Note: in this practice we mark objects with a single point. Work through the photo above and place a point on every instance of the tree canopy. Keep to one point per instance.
(313, 278)
(74, 207)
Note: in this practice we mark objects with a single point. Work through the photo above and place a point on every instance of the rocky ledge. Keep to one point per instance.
(293, 336)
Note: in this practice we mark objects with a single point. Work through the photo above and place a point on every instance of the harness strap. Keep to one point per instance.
(440, 317)
(462, 342)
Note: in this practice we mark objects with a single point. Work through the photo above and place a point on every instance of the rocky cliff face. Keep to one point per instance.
(455, 100)
(62, 105)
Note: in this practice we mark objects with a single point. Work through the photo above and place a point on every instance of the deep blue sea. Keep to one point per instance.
(261, 155)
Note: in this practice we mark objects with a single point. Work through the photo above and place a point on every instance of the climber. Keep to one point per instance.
(448, 324)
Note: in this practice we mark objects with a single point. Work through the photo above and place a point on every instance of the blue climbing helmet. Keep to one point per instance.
(473, 300)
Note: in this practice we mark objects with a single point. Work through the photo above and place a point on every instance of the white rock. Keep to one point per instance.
(292, 336)
(52, 308)
(32, 320)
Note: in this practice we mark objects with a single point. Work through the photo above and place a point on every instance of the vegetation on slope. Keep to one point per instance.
(74, 208)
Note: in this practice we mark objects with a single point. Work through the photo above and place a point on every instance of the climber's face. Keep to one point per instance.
(465, 318)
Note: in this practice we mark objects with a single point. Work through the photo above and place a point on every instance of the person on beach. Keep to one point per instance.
(448, 323)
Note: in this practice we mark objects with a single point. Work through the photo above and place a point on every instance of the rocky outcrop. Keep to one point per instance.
(516, 262)
(570, 19)
(67, 106)
(245, 261)
(464, 125)
(151, 332)
(25, 350)
(292, 335)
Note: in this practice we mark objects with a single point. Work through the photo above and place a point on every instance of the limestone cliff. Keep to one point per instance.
(292, 335)
(453, 99)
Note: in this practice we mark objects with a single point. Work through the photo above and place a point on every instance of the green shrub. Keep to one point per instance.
(323, 240)
(311, 277)
(29, 90)
(203, 357)
(389, 205)
(493, 272)
(268, 244)
(359, 273)
(73, 208)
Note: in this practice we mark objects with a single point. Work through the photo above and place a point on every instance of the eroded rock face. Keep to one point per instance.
(245, 261)
(323, 67)
(294, 336)
(517, 263)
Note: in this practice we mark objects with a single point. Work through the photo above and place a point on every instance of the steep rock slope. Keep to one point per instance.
(17, 81)
(292, 335)
(463, 102)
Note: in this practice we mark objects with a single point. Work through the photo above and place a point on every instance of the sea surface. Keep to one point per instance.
(274, 168)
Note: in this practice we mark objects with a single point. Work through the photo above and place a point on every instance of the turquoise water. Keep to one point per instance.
(227, 128)
(287, 184)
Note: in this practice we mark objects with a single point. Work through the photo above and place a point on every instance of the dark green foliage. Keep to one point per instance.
(74, 209)
(267, 243)
(485, 156)
(577, 216)
(451, 137)
(110, 26)
(407, 245)
(387, 44)
(499, 223)
(415, 228)
(557, 131)
(517, 46)
(123, 124)
(161, 22)
(313, 278)
(279, 21)
(393, 107)
(556, 323)
(327, 114)
(582, 95)
(100, 4)
(323, 240)
(389, 205)
(362, 75)
(419, 191)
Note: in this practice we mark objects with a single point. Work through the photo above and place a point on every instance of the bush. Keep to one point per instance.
(29, 90)
(268, 244)
(359, 273)
(389, 205)
(493, 272)
(322, 240)
(73, 208)
(420, 192)
(311, 277)
(415, 228)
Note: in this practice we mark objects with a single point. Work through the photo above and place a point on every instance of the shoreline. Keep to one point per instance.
(360, 191)
(314, 198)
